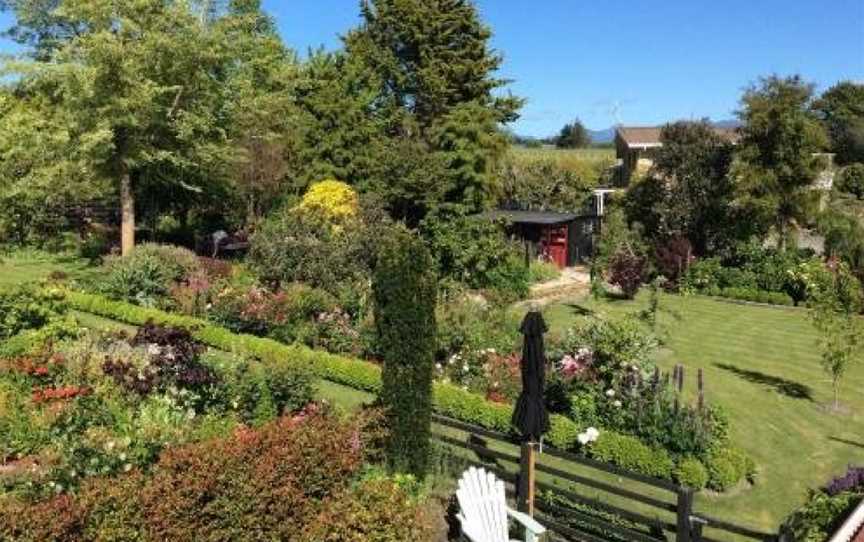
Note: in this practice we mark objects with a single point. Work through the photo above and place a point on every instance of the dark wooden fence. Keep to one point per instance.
(579, 499)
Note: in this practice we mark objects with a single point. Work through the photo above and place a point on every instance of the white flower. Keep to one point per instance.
(127, 467)
(466, 368)
(617, 404)
(122, 457)
(588, 436)
(610, 393)
(438, 366)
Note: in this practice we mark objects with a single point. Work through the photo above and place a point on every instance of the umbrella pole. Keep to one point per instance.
(527, 477)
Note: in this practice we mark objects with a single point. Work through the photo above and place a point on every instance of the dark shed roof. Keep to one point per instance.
(532, 217)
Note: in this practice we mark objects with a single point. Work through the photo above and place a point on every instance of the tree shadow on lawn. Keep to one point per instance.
(847, 442)
(789, 388)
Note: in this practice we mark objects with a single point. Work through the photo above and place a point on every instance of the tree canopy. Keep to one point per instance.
(777, 157)
(689, 189)
(573, 135)
(841, 108)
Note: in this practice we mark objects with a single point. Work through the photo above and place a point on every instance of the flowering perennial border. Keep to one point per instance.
(448, 399)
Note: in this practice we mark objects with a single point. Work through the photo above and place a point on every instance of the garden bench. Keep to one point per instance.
(484, 513)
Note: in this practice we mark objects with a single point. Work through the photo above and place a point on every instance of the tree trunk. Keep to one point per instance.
(127, 212)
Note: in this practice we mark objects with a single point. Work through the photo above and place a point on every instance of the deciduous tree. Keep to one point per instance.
(777, 161)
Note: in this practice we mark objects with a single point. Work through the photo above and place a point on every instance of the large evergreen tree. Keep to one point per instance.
(260, 111)
(437, 87)
(777, 162)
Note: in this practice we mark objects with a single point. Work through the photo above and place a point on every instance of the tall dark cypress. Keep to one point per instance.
(405, 289)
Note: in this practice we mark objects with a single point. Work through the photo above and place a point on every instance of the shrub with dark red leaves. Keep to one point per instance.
(673, 259)
(58, 520)
(853, 480)
(265, 484)
(174, 362)
(627, 271)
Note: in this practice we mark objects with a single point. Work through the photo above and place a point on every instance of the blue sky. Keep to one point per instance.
(634, 61)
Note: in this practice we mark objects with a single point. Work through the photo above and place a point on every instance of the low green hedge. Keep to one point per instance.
(449, 400)
(757, 296)
(728, 466)
(692, 473)
(630, 453)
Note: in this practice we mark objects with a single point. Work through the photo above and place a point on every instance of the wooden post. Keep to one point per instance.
(527, 478)
(684, 510)
(701, 390)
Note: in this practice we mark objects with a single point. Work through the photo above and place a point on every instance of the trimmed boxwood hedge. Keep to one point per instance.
(448, 400)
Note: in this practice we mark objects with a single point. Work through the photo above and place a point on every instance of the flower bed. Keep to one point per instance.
(449, 399)
(106, 436)
(826, 508)
(100, 403)
(290, 478)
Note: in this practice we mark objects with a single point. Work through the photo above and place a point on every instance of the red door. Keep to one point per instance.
(555, 245)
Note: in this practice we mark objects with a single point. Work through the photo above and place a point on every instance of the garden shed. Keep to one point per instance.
(565, 239)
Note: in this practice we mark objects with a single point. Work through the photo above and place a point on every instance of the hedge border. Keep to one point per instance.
(448, 399)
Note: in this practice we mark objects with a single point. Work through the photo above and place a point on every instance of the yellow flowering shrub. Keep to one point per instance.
(333, 199)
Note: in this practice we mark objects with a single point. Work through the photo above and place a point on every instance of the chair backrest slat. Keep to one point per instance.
(483, 502)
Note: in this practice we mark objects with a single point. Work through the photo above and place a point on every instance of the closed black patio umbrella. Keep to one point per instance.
(530, 416)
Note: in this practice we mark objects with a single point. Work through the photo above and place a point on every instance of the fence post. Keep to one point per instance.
(685, 510)
(527, 477)
(698, 525)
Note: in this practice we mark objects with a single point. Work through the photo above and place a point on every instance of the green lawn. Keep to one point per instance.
(762, 367)
(32, 265)
(760, 364)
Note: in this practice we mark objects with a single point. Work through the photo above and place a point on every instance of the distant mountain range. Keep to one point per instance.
(599, 137)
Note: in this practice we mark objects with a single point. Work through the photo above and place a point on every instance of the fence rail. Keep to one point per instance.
(569, 501)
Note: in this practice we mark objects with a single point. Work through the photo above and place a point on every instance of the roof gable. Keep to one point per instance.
(647, 137)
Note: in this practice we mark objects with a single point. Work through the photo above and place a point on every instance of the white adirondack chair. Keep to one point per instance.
(484, 512)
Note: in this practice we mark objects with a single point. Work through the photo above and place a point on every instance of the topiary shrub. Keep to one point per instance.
(727, 467)
(405, 291)
(692, 473)
(629, 453)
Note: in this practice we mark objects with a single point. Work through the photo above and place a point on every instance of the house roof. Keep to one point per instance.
(647, 137)
(532, 217)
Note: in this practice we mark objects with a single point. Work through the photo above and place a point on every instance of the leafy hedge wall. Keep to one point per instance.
(448, 399)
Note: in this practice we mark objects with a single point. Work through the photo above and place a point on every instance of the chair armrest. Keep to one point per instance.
(527, 521)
